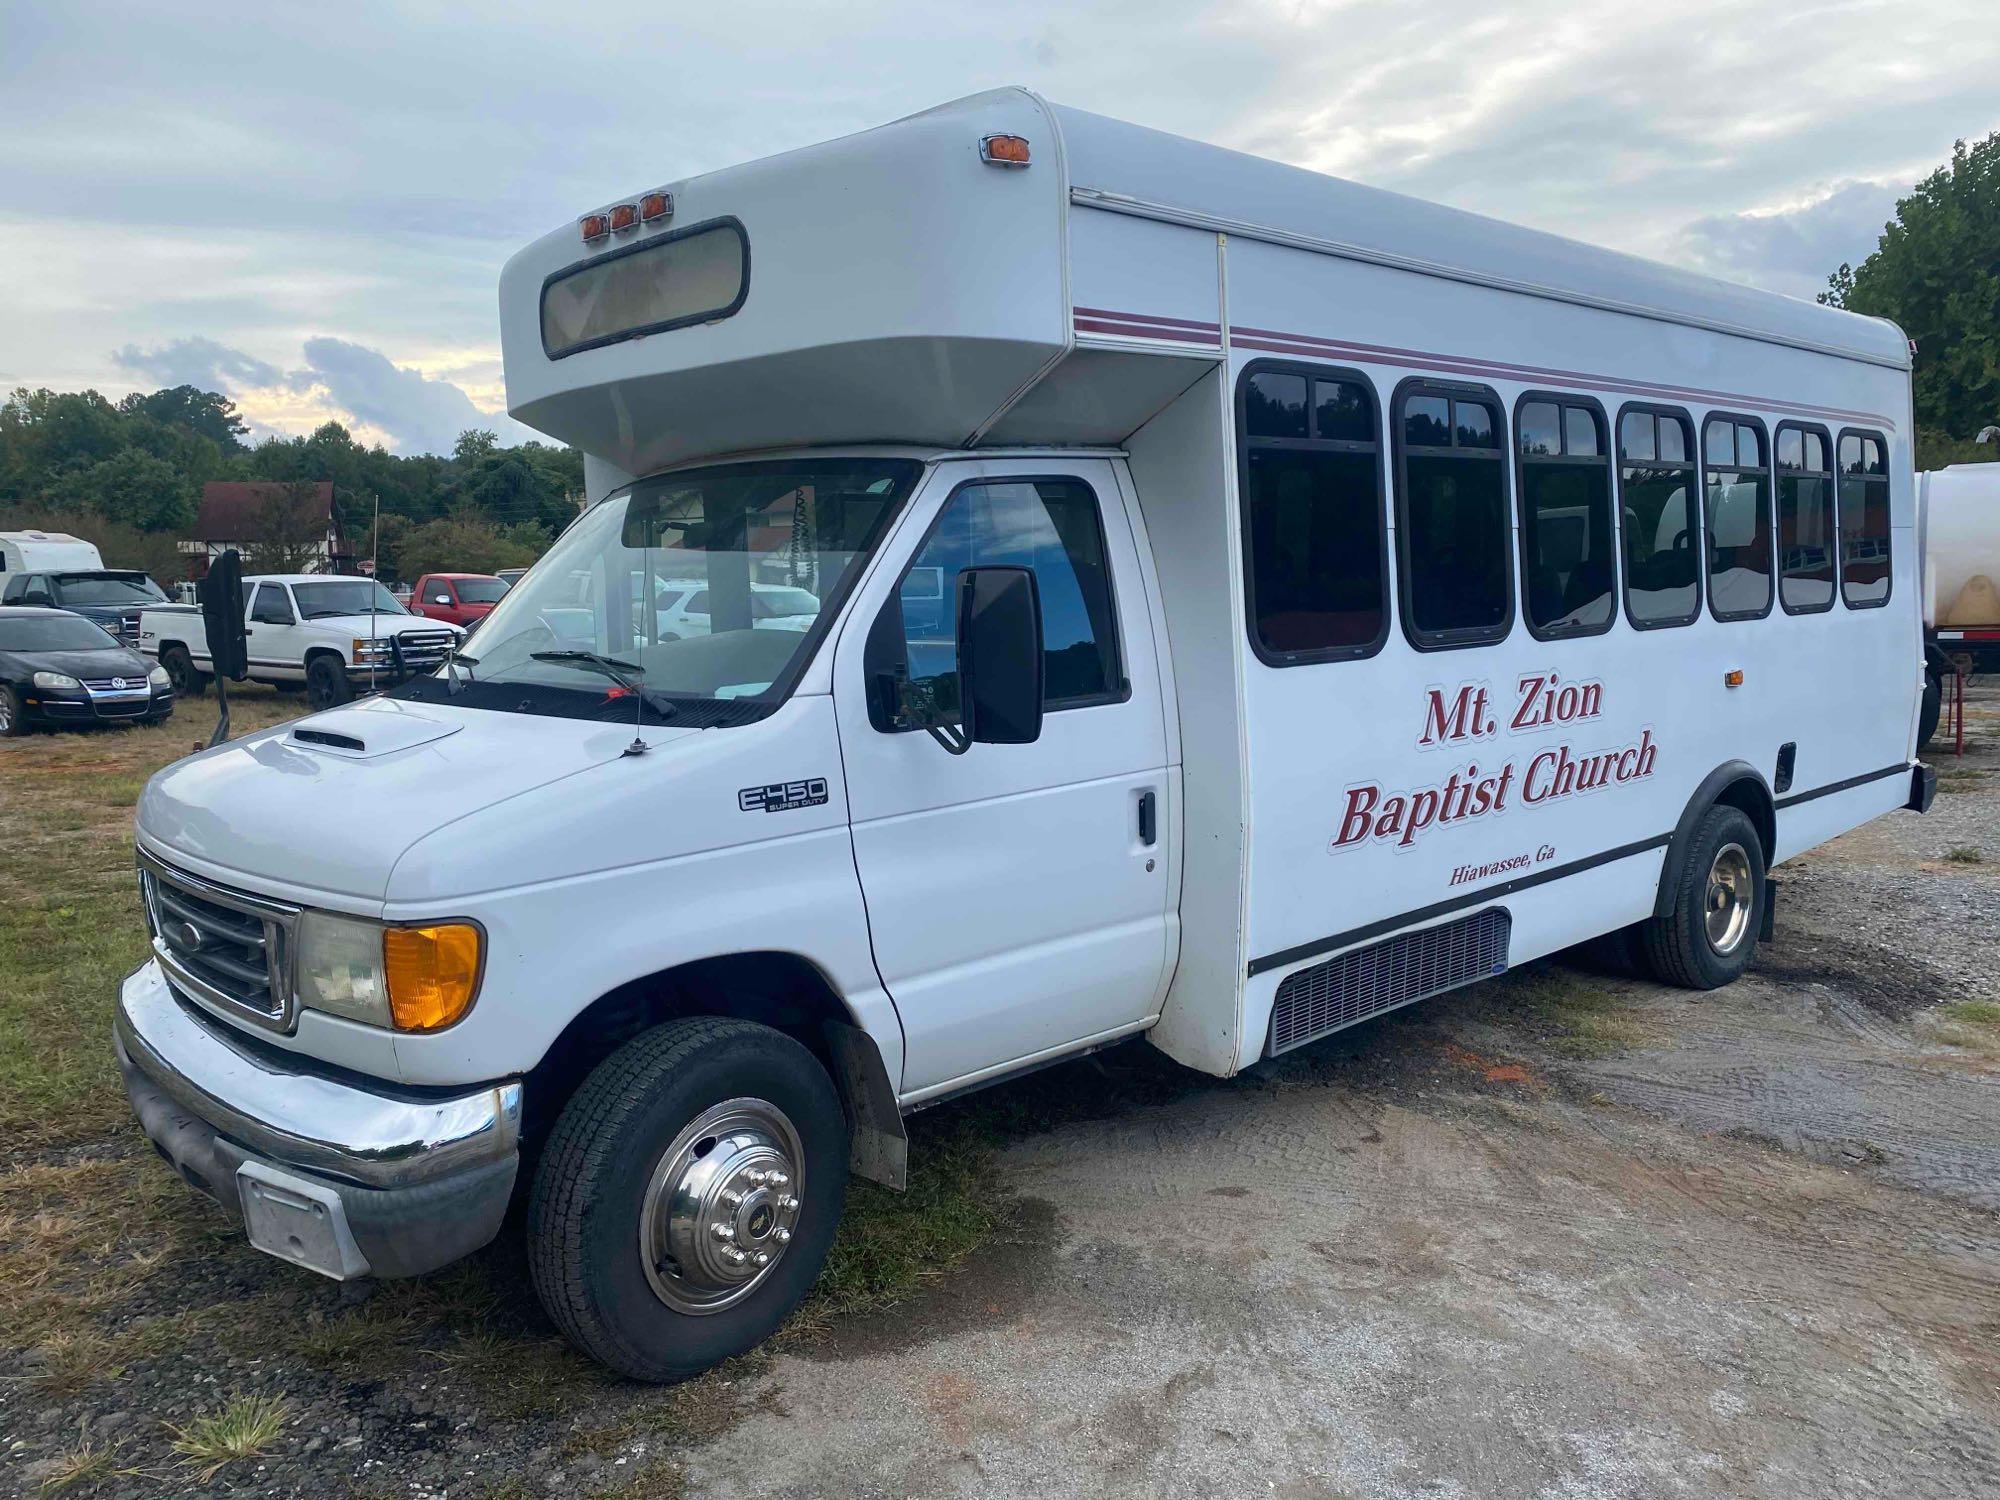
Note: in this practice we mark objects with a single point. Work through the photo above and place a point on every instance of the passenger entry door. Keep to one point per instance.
(1018, 895)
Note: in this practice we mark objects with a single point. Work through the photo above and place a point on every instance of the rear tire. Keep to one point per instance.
(326, 682)
(1709, 937)
(626, 1218)
(13, 718)
(188, 681)
(1931, 709)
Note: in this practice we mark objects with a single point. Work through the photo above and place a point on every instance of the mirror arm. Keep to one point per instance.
(953, 738)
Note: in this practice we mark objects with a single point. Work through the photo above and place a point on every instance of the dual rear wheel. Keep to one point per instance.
(1709, 934)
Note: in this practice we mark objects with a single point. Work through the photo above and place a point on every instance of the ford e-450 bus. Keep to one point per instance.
(1217, 603)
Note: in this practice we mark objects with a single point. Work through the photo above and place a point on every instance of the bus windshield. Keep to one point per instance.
(772, 546)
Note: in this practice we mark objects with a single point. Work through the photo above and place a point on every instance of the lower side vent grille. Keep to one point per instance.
(1394, 972)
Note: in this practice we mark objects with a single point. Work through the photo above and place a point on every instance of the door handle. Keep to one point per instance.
(1149, 819)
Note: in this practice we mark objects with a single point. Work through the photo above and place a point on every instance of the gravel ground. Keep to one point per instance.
(1560, 1235)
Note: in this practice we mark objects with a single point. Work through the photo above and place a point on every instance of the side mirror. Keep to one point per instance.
(1000, 656)
(440, 598)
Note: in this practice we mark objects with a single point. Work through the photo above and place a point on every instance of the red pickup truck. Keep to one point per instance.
(460, 598)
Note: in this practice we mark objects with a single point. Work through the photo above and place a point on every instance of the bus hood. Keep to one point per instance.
(332, 802)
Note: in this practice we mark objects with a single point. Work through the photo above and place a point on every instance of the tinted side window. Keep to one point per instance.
(1453, 533)
(1313, 528)
(271, 606)
(1739, 518)
(1658, 518)
(1568, 578)
(1049, 525)
(1864, 520)
(1805, 519)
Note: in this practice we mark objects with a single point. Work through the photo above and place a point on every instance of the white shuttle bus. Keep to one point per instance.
(1220, 604)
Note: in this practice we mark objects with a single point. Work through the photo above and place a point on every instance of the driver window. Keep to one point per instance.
(1049, 525)
(271, 606)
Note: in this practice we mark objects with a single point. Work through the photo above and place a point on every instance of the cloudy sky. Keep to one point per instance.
(307, 205)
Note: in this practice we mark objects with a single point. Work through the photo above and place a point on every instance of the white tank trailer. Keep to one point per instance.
(1959, 516)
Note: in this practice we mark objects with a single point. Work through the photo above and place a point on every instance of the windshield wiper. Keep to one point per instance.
(627, 674)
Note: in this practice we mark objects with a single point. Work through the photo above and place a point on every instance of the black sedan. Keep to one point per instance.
(59, 668)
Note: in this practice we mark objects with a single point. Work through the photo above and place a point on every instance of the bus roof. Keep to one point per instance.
(895, 288)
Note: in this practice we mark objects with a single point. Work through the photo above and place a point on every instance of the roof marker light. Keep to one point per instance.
(656, 206)
(624, 216)
(594, 226)
(1004, 150)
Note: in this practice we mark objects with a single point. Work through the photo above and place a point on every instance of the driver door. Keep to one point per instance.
(1018, 896)
(272, 629)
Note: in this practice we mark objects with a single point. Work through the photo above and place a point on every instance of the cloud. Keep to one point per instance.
(198, 362)
(419, 413)
(1794, 249)
(248, 176)
(381, 401)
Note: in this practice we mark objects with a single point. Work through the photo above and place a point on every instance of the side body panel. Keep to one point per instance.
(1327, 739)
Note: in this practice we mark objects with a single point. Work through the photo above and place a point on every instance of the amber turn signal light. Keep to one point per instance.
(656, 206)
(594, 226)
(433, 973)
(624, 216)
(1733, 677)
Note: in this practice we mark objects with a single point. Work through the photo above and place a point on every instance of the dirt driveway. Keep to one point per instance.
(1560, 1235)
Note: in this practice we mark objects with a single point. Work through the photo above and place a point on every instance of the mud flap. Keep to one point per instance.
(1923, 788)
(1767, 924)
(880, 1151)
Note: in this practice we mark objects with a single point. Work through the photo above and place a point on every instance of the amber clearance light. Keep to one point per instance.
(433, 973)
(1004, 150)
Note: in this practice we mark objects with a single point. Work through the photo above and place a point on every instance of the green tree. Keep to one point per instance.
(1936, 273)
(207, 414)
(455, 544)
(132, 488)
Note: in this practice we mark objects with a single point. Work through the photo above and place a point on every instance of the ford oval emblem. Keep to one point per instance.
(188, 936)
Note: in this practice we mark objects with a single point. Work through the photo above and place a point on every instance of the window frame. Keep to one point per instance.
(1450, 640)
(1770, 473)
(638, 247)
(1887, 480)
(1607, 439)
(284, 597)
(1832, 477)
(889, 619)
(1309, 444)
(1695, 496)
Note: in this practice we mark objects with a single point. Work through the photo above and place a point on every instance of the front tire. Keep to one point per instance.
(1709, 937)
(326, 683)
(688, 1196)
(13, 718)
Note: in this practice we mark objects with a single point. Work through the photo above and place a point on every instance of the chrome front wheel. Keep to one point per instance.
(1730, 898)
(722, 1206)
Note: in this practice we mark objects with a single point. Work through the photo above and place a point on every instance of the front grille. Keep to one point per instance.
(1367, 981)
(223, 948)
(424, 646)
(111, 684)
(128, 625)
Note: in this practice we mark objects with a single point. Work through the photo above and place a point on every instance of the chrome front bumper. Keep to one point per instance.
(412, 1178)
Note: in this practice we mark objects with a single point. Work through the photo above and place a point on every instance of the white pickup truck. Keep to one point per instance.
(305, 628)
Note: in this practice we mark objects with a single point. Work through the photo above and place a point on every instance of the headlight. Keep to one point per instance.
(408, 978)
(57, 682)
(159, 678)
(368, 650)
